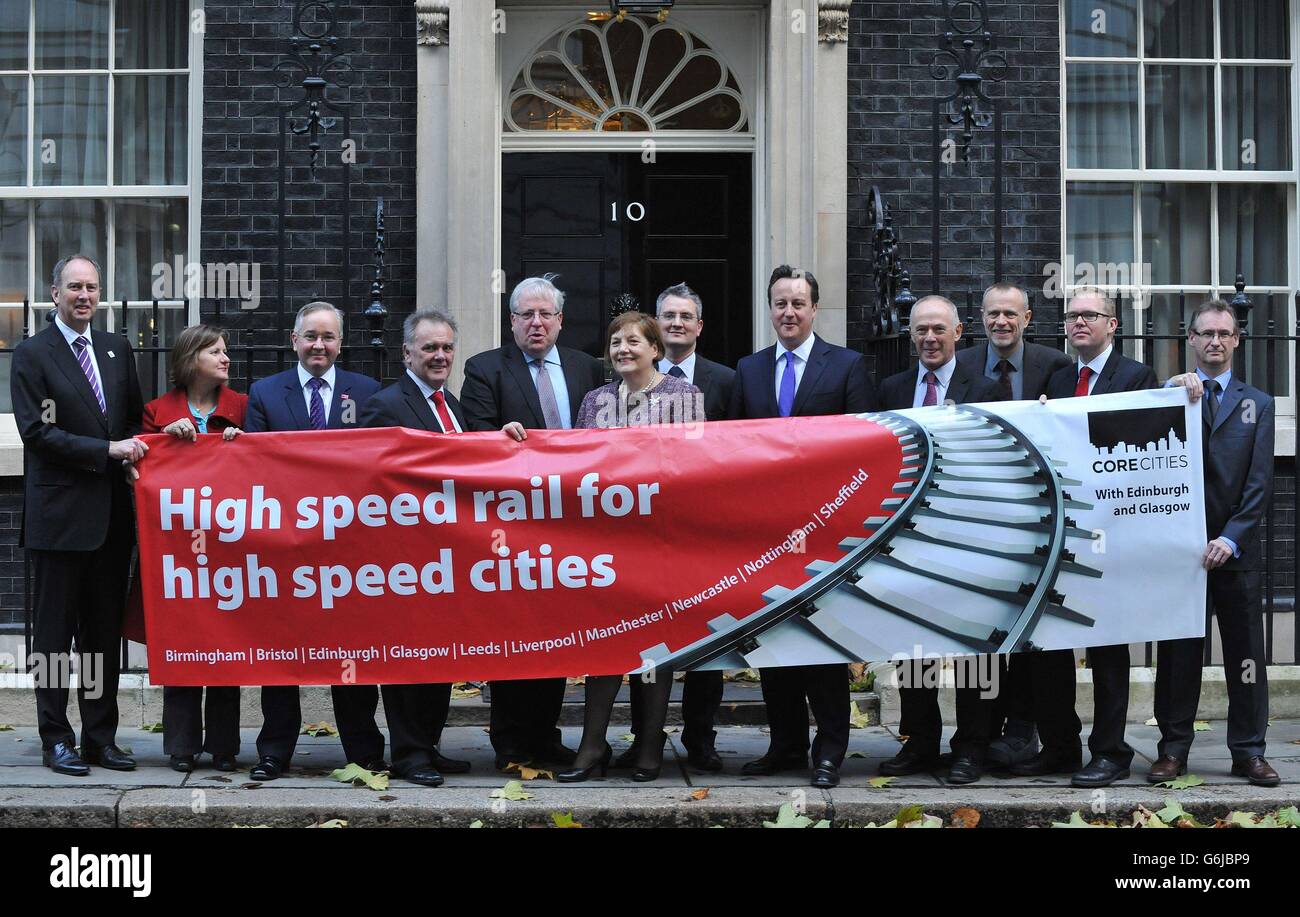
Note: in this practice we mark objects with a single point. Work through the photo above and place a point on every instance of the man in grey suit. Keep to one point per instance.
(681, 321)
(1021, 369)
(1237, 431)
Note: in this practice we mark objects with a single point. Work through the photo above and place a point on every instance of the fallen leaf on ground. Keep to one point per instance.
(1289, 817)
(250, 826)
(628, 737)
(359, 776)
(1201, 726)
(1174, 814)
(319, 729)
(331, 823)
(1145, 818)
(530, 773)
(564, 820)
(476, 823)
(250, 786)
(742, 675)
(786, 817)
(856, 754)
(965, 817)
(701, 793)
(857, 718)
(881, 782)
(1182, 783)
(387, 798)
(218, 778)
(1151, 722)
(513, 790)
(152, 727)
(461, 690)
(1076, 821)
(5, 727)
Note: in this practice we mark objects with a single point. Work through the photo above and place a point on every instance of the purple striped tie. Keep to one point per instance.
(83, 357)
(317, 404)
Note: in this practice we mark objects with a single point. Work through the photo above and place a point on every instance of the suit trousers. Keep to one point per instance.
(921, 721)
(416, 715)
(1013, 708)
(354, 714)
(1051, 679)
(1234, 597)
(187, 718)
(524, 715)
(281, 722)
(1110, 665)
(788, 692)
(81, 595)
(701, 698)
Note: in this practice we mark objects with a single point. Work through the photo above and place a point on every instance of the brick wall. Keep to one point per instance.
(11, 556)
(891, 46)
(243, 42)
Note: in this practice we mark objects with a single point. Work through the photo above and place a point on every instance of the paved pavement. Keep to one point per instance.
(154, 795)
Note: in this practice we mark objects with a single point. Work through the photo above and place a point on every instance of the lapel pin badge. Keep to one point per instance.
(113, 355)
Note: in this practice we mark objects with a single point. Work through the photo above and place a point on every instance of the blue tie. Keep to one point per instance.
(786, 401)
(317, 404)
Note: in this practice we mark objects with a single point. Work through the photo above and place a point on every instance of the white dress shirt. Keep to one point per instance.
(1096, 364)
(801, 355)
(326, 390)
(69, 335)
(427, 391)
(687, 366)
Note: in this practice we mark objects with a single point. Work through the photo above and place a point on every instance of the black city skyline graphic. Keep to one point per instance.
(1137, 430)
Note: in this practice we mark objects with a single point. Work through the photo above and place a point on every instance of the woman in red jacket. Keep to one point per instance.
(201, 402)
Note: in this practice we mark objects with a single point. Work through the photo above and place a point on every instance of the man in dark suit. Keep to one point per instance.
(801, 376)
(939, 378)
(1237, 431)
(420, 400)
(1021, 369)
(77, 406)
(1090, 322)
(314, 395)
(539, 385)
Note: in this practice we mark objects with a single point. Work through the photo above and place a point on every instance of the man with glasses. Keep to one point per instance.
(1101, 369)
(534, 382)
(314, 395)
(1237, 432)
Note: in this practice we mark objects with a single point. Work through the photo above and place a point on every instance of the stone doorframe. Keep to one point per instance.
(458, 183)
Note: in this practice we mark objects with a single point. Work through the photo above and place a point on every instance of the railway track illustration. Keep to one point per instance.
(974, 548)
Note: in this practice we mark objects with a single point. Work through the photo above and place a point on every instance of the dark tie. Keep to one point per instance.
(83, 357)
(546, 395)
(444, 415)
(786, 402)
(317, 404)
(931, 390)
(1210, 402)
(1081, 388)
(677, 371)
(1005, 369)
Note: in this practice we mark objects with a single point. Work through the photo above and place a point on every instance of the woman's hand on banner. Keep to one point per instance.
(182, 429)
(230, 433)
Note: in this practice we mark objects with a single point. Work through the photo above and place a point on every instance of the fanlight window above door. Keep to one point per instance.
(631, 75)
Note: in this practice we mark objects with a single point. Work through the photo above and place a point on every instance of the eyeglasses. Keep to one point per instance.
(684, 317)
(529, 316)
(1089, 317)
(311, 337)
(1215, 335)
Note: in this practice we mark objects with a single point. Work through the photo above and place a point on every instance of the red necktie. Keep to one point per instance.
(931, 390)
(1082, 388)
(444, 415)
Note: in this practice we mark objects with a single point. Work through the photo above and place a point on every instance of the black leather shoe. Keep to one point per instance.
(225, 763)
(825, 775)
(110, 756)
(771, 764)
(1047, 762)
(582, 774)
(425, 776)
(646, 774)
(556, 753)
(909, 761)
(181, 763)
(704, 759)
(267, 768)
(965, 769)
(1099, 772)
(626, 758)
(378, 766)
(62, 758)
(449, 765)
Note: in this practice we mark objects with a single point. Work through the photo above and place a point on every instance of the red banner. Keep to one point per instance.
(394, 556)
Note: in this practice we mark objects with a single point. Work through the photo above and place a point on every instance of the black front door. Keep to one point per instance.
(613, 226)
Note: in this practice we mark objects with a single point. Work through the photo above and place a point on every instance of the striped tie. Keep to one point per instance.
(82, 347)
(317, 411)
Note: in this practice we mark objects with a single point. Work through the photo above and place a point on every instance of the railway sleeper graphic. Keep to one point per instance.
(967, 559)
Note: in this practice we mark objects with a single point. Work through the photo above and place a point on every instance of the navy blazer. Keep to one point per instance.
(716, 382)
(69, 485)
(1120, 374)
(402, 404)
(835, 381)
(276, 403)
(965, 387)
(1239, 469)
(499, 387)
(1038, 366)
